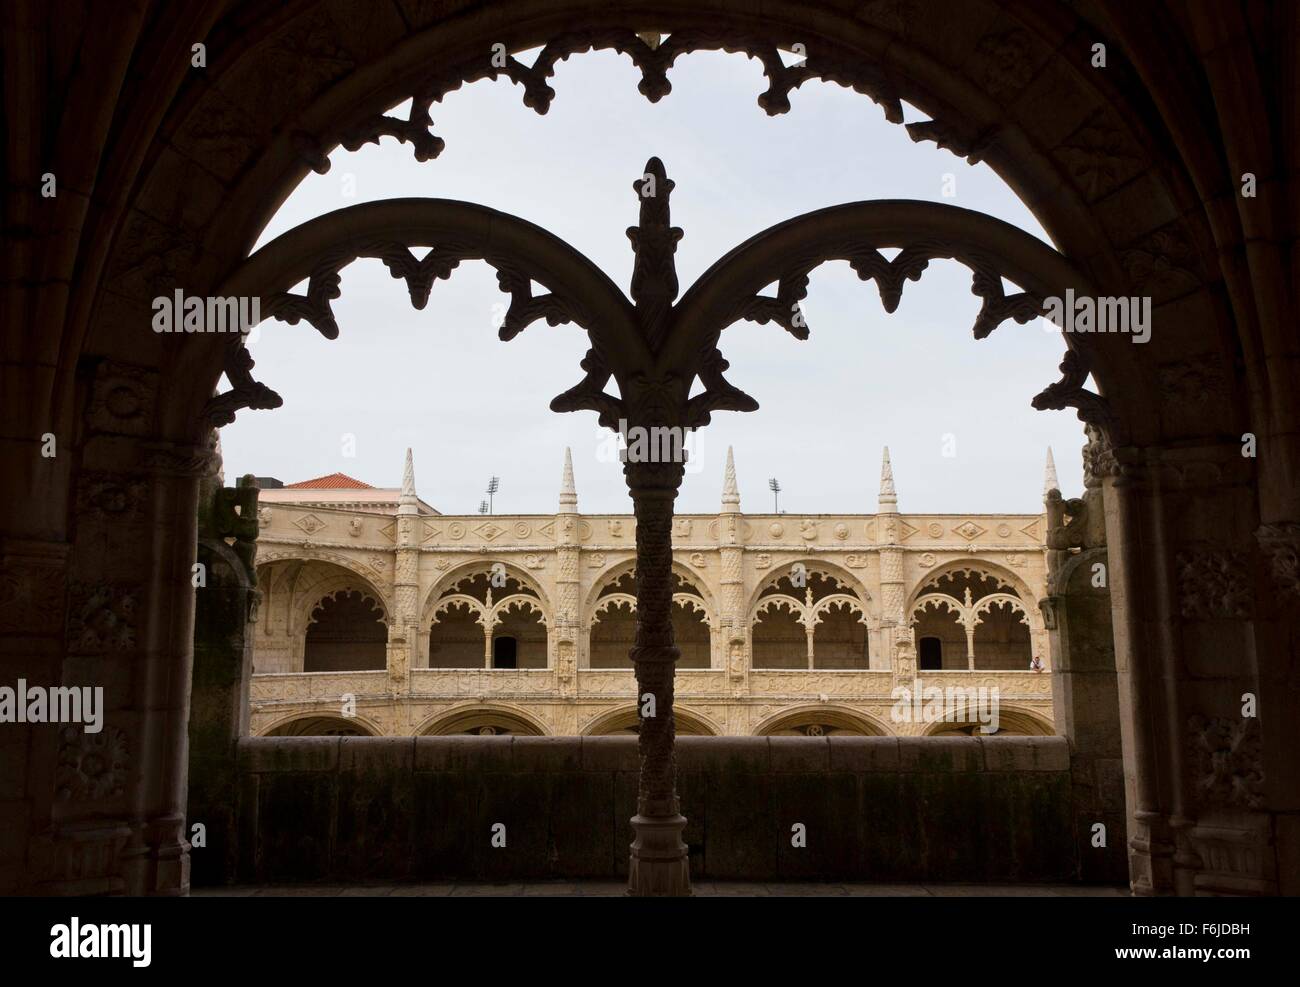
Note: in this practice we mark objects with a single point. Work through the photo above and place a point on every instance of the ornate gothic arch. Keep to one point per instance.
(1124, 169)
(969, 102)
(331, 589)
(1002, 574)
(358, 573)
(476, 567)
(838, 574)
(620, 569)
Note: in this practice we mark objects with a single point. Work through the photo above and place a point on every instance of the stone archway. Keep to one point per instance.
(1128, 171)
(482, 720)
(821, 720)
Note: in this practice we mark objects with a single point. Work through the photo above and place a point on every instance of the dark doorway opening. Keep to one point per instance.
(505, 653)
(930, 653)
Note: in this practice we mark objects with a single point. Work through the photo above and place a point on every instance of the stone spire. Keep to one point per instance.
(730, 493)
(568, 492)
(408, 503)
(1050, 482)
(888, 496)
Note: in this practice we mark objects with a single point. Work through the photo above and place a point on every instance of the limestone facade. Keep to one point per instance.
(381, 616)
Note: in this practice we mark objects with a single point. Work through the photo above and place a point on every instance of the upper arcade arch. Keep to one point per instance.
(1005, 578)
(620, 571)
(348, 571)
(482, 567)
(839, 582)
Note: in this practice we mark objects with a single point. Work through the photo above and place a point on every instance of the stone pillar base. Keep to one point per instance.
(659, 866)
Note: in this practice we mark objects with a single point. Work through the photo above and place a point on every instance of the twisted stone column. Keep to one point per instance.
(659, 863)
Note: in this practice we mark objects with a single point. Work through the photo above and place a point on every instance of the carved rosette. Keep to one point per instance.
(102, 618)
(122, 399)
(91, 765)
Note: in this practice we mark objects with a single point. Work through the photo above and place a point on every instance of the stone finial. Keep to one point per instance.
(654, 241)
(568, 492)
(408, 503)
(730, 493)
(1050, 482)
(888, 496)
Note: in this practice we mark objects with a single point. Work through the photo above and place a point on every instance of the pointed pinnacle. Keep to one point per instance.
(568, 492)
(1050, 482)
(888, 495)
(730, 493)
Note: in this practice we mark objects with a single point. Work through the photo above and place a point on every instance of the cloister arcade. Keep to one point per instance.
(1168, 175)
(521, 632)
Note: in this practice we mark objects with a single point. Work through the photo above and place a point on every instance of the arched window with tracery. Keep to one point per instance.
(346, 633)
(809, 618)
(969, 618)
(613, 623)
(487, 619)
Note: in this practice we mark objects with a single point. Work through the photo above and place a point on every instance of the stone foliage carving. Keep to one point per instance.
(1069, 392)
(32, 591)
(1213, 583)
(1281, 545)
(1227, 759)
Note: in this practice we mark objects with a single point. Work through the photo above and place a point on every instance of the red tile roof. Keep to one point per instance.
(334, 481)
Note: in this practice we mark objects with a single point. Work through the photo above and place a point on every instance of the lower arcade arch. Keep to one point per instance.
(626, 721)
(821, 720)
(1010, 722)
(312, 725)
(483, 721)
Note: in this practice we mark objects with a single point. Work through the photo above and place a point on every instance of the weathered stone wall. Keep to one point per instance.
(874, 808)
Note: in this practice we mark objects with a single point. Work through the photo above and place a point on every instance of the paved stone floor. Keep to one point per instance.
(605, 889)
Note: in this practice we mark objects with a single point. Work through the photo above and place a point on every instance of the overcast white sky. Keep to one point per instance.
(472, 407)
